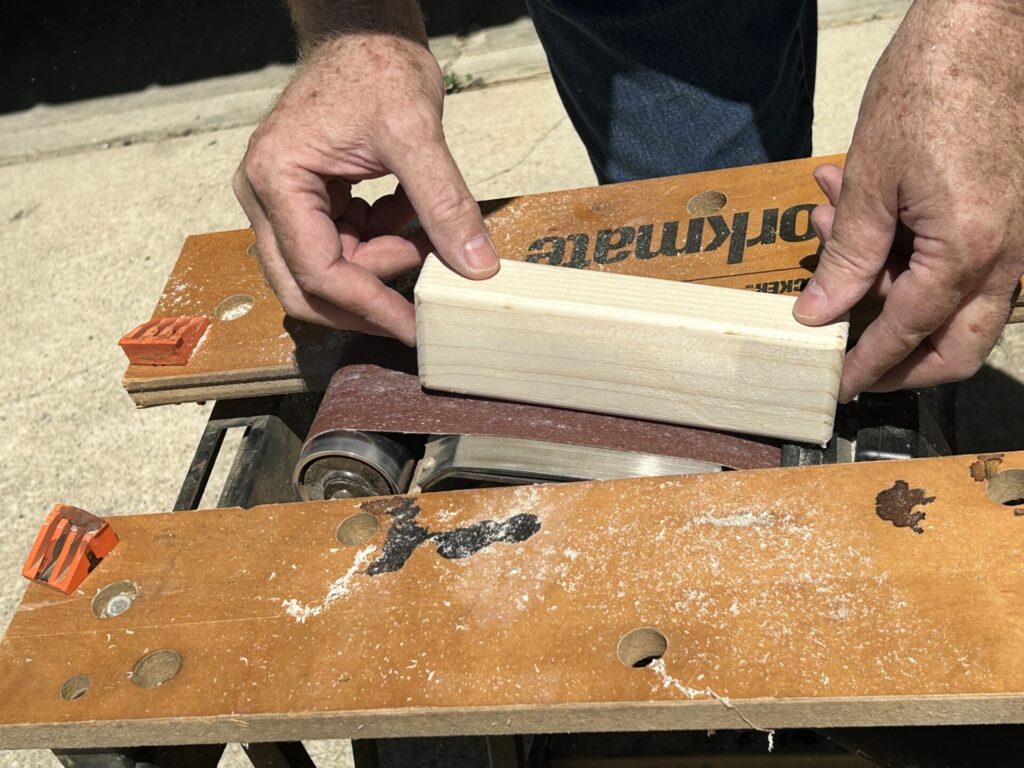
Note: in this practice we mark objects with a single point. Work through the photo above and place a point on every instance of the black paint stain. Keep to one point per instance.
(986, 467)
(897, 504)
(405, 534)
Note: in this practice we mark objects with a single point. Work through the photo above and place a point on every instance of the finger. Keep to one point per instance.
(449, 214)
(296, 302)
(351, 226)
(388, 255)
(822, 218)
(307, 238)
(861, 236)
(955, 351)
(830, 180)
(312, 308)
(391, 214)
(886, 279)
(357, 213)
(339, 192)
(919, 302)
(357, 290)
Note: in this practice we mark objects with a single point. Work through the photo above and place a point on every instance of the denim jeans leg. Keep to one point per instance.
(660, 87)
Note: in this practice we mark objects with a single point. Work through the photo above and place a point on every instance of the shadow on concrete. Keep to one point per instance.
(61, 51)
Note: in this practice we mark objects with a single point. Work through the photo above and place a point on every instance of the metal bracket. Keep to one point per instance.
(261, 472)
(893, 425)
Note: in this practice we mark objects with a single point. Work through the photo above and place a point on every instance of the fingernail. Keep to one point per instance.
(811, 302)
(846, 394)
(479, 255)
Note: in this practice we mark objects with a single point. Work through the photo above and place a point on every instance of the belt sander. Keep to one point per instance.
(378, 432)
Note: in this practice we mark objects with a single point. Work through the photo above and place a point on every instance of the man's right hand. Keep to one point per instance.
(365, 104)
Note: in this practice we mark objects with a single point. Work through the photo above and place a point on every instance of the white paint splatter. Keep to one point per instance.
(340, 588)
(741, 520)
(667, 681)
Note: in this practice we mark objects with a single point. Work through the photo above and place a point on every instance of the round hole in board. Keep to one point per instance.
(253, 251)
(358, 529)
(234, 307)
(1007, 487)
(641, 646)
(114, 599)
(75, 687)
(706, 203)
(156, 668)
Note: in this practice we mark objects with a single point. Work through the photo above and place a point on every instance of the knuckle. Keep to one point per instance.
(258, 158)
(239, 185)
(964, 366)
(307, 281)
(411, 125)
(984, 235)
(846, 260)
(453, 205)
(292, 307)
(908, 332)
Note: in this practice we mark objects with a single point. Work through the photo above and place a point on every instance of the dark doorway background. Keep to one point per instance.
(55, 51)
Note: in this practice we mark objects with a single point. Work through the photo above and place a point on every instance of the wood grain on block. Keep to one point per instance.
(877, 593)
(631, 346)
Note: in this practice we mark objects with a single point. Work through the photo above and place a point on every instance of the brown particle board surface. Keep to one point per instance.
(743, 227)
(746, 228)
(882, 593)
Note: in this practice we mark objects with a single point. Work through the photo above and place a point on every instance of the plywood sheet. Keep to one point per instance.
(883, 593)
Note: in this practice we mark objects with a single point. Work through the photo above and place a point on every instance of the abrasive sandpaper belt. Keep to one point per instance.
(372, 398)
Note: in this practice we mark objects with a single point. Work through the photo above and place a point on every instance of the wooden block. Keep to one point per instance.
(779, 598)
(630, 346)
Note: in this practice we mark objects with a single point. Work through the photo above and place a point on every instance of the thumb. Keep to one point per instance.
(446, 209)
(854, 252)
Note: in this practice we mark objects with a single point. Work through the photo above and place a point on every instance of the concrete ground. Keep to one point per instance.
(97, 196)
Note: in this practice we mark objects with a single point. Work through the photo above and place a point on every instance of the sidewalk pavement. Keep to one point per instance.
(96, 198)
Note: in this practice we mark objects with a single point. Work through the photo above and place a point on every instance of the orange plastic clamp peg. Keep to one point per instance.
(164, 340)
(69, 545)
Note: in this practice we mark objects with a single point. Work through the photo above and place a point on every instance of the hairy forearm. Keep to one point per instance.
(319, 20)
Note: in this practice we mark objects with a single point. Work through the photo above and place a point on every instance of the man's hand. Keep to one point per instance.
(365, 103)
(929, 213)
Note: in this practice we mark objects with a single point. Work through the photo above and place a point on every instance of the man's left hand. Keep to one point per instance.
(929, 213)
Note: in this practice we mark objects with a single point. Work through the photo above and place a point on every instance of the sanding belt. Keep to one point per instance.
(376, 390)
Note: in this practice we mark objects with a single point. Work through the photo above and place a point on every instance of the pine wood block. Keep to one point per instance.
(782, 598)
(631, 346)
